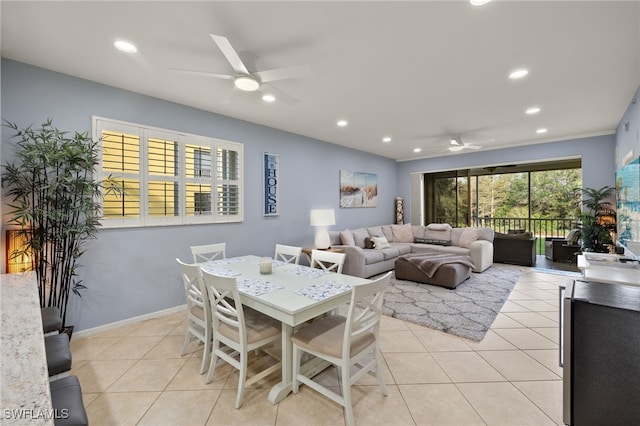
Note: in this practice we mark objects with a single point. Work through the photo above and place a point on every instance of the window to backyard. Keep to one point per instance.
(539, 198)
(167, 177)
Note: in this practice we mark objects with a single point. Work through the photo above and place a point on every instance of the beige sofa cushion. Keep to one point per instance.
(375, 231)
(440, 235)
(468, 236)
(347, 238)
(402, 233)
(359, 236)
(387, 232)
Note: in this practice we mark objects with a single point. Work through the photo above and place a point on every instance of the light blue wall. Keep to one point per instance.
(131, 272)
(597, 155)
(628, 132)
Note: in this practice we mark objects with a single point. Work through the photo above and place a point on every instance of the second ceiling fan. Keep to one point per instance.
(246, 77)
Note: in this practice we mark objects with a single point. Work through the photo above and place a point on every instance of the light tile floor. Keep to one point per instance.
(135, 375)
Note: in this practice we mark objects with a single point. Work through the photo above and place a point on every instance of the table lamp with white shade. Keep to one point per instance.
(322, 219)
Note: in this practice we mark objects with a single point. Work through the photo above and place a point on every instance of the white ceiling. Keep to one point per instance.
(417, 71)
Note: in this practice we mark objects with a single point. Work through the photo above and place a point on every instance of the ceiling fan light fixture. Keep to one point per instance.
(125, 46)
(518, 74)
(268, 98)
(532, 110)
(246, 83)
(455, 142)
(479, 2)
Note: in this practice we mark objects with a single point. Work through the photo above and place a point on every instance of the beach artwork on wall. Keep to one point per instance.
(358, 189)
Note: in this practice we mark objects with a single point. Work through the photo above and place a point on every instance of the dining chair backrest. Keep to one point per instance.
(199, 319)
(192, 281)
(235, 331)
(226, 306)
(356, 354)
(289, 254)
(208, 252)
(365, 311)
(327, 260)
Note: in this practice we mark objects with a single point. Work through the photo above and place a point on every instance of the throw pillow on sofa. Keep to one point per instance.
(347, 238)
(439, 227)
(468, 236)
(359, 235)
(368, 243)
(380, 243)
(402, 233)
(438, 231)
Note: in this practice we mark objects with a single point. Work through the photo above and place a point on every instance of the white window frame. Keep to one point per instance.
(101, 124)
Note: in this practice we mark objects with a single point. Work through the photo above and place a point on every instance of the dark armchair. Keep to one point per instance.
(516, 249)
(560, 250)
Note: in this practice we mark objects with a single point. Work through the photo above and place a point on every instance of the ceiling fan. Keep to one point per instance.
(457, 143)
(246, 77)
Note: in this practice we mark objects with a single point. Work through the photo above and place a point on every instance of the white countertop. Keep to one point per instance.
(607, 268)
(25, 397)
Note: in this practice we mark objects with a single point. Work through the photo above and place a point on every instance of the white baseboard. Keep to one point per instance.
(128, 321)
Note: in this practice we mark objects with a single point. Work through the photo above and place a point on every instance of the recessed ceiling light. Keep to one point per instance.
(342, 123)
(518, 74)
(417, 149)
(268, 98)
(532, 110)
(125, 46)
(542, 130)
(386, 139)
(246, 83)
(479, 2)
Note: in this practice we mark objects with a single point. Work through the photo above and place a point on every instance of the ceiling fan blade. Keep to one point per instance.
(229, 52)
(283, 73)
(479, 140)
(279, 94)
(203, 73)
(230, 95)
(465, 146)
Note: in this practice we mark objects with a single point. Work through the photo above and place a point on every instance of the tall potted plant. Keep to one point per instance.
(597, 220)
(54, 200)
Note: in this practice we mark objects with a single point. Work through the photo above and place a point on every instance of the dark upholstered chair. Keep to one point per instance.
(51, 320)
(516, 249)
(66, 399)
(560, 250)
(58, 355)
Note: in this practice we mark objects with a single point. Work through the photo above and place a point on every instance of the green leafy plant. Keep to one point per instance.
(597, 220)
(55, 202)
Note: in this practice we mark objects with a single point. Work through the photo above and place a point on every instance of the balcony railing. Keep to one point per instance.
(540, 228)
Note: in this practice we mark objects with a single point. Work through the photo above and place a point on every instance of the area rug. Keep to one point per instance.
(466, 311)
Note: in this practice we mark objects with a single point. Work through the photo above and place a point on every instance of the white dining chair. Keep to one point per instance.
(239, 329)
(327, 260)
(199, 320)
(346, 342)
(289, 254)
(209, 252)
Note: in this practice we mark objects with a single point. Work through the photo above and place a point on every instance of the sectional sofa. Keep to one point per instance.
(374, 250)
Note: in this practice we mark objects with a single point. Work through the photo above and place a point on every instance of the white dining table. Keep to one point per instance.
(291, 294)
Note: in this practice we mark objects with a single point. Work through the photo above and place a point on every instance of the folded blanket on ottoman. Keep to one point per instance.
(429, 263)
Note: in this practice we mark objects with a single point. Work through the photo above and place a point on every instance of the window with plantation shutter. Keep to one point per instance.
(166, 178)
